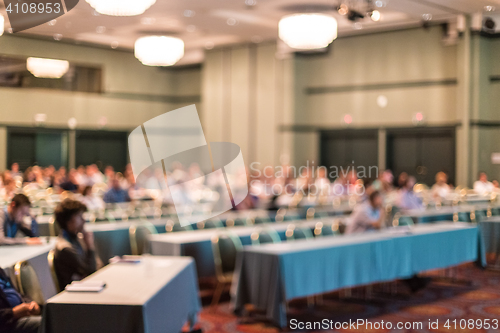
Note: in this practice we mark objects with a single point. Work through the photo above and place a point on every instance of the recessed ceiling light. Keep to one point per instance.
(148, 20)
(380, 3)
(58, 36)
(191, 28)
(343, 9)
(250, 2)
(427, 17)
(52, 22)
(489, 8)
(232, 21)
(189, 13)
(114, 44)
(100, 29)
(357, 26)
(375, 15)
(209, 45)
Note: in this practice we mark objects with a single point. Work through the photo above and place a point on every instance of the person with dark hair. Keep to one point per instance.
(17, 314)
(116, 193)
(72, 259)
(12, 222)
(367, 215)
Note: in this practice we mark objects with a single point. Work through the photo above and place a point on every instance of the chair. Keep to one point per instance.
(225, 246)
(463, 217)
(326, 229)
(54, 228)
(210, 224)
(495, 211)
(236, 222)
(280, 215)
(172, 226)
(28, 282)
(264, 236)
(405, 221)
(262, 219)
(138, 235)
(293, 232)
(310, 213)
(479, 216)
(50, 259)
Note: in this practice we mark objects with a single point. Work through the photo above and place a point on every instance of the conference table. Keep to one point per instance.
(490, 230)
(197, 244)
(36, 255)
(439, 214)
(269, 275)
(158, 294)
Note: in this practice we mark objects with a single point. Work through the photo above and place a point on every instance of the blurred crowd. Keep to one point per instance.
(269, 188)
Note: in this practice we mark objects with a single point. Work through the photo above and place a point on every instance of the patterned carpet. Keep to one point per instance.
(441, 300)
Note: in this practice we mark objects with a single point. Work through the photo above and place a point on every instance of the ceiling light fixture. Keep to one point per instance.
(121, 7)
(308, 31)
(489, 8)
(47, 68)
(343, 9)
(1, 24)
(159, 50)
(375, 16)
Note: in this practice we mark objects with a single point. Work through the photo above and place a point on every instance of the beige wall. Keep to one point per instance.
(130, 89)
(246, 96)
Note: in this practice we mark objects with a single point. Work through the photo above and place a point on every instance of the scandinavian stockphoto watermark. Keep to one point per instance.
(174, 142)
(25, 14)
(289, 180)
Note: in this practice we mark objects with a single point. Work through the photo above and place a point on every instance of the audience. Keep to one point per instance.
(17, 314)
(116, 193)
(92, 202)
(368, 215)
(73, 260)
(407, 197)
(440, 190)
(482, 186)
(12, 222)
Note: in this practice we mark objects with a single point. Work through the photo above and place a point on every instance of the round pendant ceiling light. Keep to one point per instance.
(159, 50)
(47, 68)
(121, 7)
(308, 31)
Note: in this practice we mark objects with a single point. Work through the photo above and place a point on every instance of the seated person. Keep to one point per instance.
(407, 197)
(12, 222)
(17, 315)
(441, 189)
(73, 260)
(367, 215)
(483, 186)
(116, 193)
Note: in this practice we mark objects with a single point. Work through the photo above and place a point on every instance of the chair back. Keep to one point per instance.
(405, 221)
(294, 232)
(54, 228)
(50, 259)
(210, 224)
(326, 229)
(28, 282)
(310, 213)
(265, 236)
(172, 226)
(139, 237)
(225, 246)
(262, 219)
(479, 216)
(463, 217)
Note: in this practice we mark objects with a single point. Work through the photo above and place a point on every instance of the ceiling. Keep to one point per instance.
(204, 24)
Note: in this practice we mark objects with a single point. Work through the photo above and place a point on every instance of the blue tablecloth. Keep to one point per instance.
(197, 244)
(490, 230)
(269, 275)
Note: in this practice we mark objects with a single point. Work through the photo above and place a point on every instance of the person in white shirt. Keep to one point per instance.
(483, 186)
(441, 189)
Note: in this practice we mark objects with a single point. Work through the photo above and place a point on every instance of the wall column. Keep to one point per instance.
(72, 149)
(3, 148)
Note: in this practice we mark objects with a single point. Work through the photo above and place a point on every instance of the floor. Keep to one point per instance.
(440, 301)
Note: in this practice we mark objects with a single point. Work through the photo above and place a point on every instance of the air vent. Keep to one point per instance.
(308, 8)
